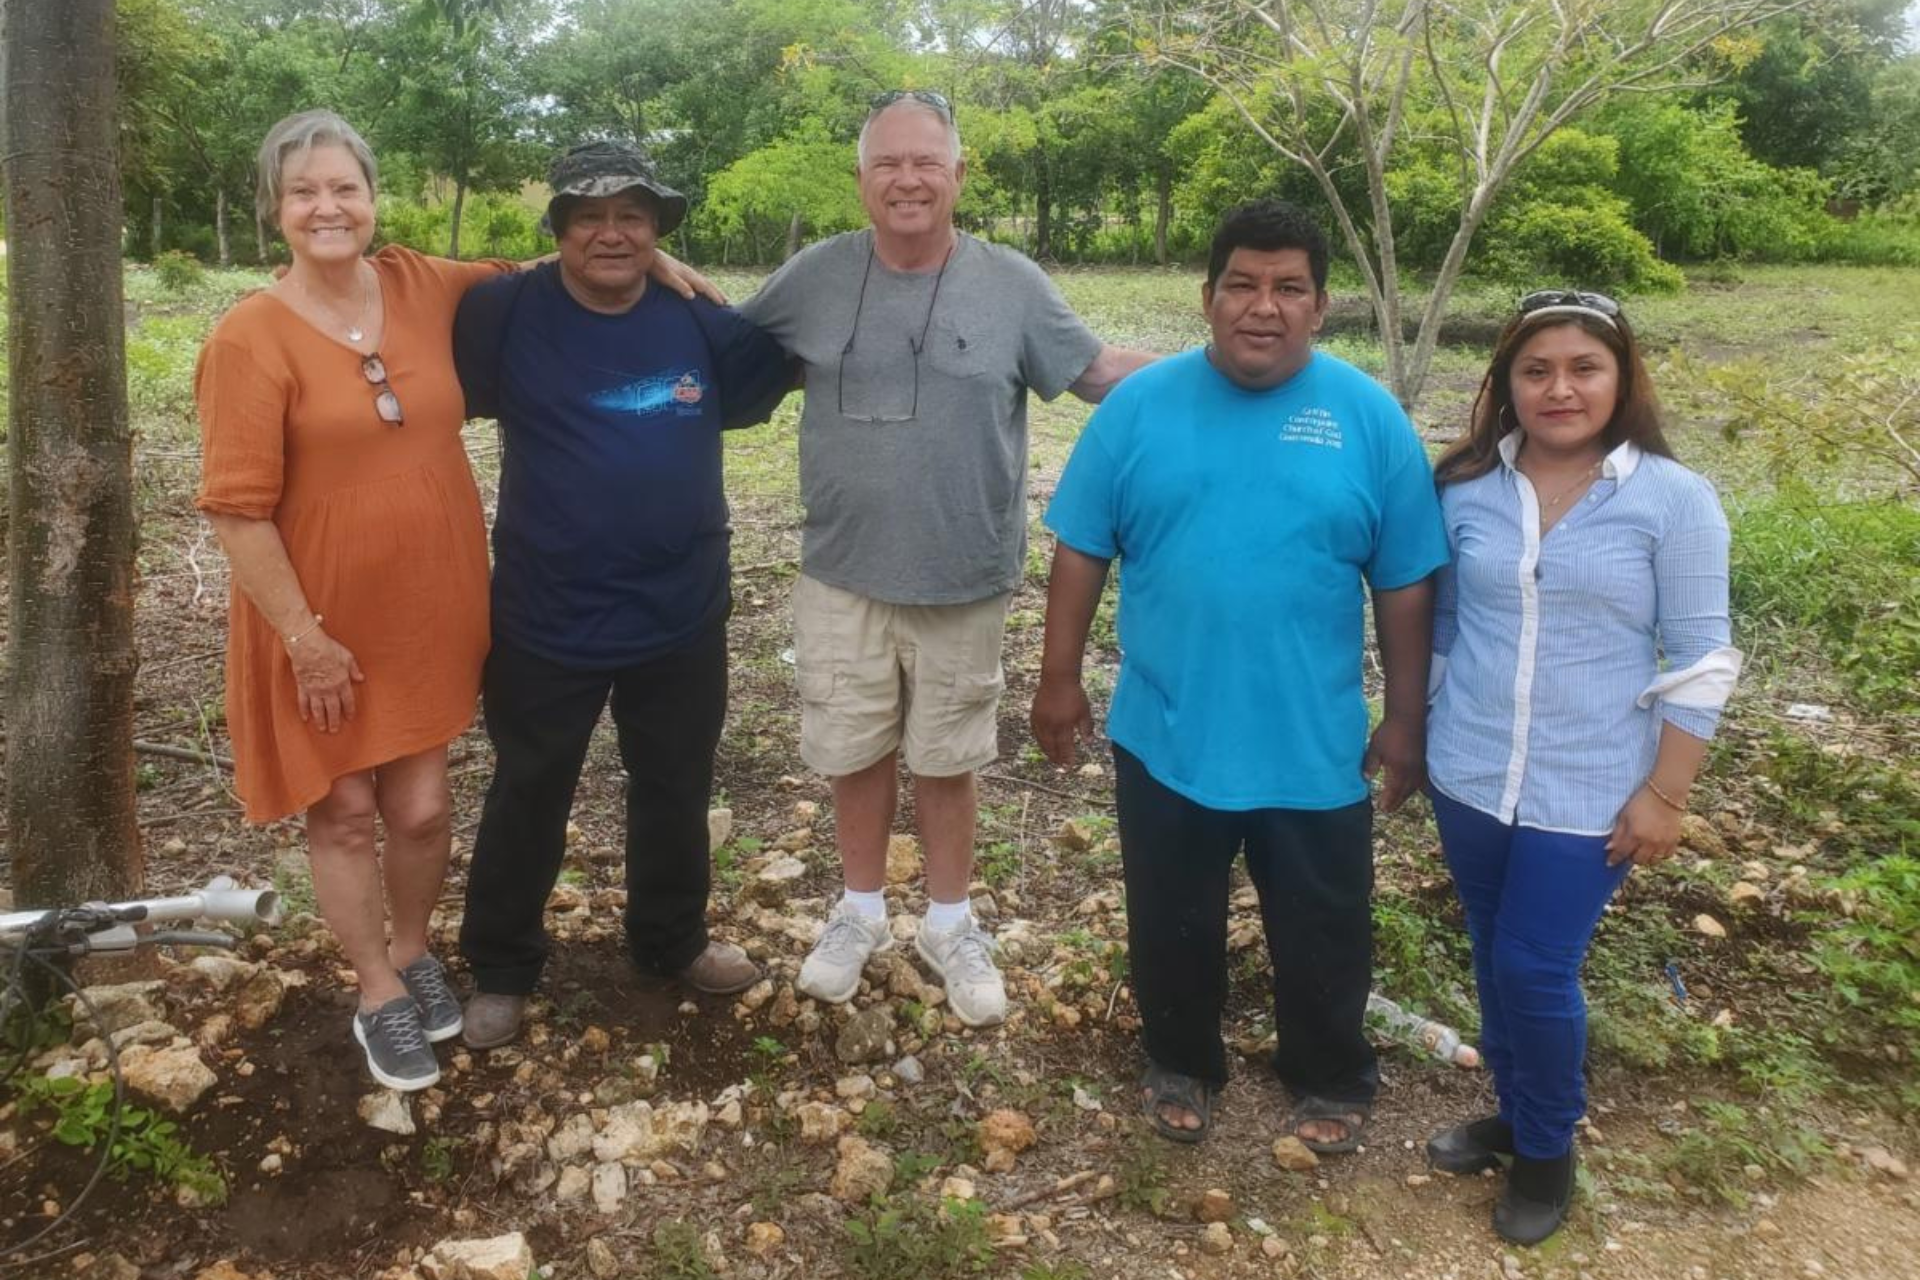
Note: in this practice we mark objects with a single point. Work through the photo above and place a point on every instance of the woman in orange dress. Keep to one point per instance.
(335, 478)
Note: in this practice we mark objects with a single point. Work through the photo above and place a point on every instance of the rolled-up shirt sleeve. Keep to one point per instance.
(1690, 572)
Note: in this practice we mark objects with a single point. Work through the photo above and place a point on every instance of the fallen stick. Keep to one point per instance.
(180, 753)
(1052, 791)
(1072, 1182)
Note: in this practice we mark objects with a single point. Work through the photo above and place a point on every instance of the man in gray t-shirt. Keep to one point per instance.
(919, 345)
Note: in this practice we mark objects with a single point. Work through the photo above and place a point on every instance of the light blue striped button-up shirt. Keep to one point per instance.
(1558, 659)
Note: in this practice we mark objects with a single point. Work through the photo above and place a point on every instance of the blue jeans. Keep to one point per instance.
(1532, 900)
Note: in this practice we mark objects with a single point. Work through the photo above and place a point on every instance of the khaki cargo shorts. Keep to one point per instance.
(873, 677)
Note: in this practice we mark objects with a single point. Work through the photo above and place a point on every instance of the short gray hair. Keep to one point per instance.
(953, 130)
(297, 135)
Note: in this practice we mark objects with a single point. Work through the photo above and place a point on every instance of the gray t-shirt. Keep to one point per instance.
(931, 510)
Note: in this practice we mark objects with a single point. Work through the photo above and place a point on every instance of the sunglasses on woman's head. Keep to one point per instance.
(1570, 300)
(385, 403)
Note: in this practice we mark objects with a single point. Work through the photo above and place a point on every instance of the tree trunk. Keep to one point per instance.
(1042, 212)
(220, 227)
(155, 229)
(69, 691)
(793, 236)
(459, 203)
(1162, 215)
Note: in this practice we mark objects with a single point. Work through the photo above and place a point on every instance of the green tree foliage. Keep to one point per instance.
(1560, 220)
(1881, 159)
(1350, 89)
(463, 106)
(1804, 84)
(800, 183)
(1086, 137)
(1697, 192)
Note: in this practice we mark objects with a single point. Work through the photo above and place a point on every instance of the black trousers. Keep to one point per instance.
(1313, 870)
(540, 716)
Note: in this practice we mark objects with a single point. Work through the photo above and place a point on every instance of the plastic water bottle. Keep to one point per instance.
(1436, 1038)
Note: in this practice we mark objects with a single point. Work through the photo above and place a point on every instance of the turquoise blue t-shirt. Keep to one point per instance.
(1248, 525)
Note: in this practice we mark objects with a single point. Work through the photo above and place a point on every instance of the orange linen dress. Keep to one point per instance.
(382, 524)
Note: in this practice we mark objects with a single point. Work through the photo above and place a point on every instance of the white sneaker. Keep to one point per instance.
(963, 957)
(833, 967)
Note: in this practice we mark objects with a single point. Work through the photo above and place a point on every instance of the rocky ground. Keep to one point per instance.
(639, 1131)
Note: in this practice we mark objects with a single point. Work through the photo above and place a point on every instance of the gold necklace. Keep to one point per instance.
(1567, 492)
(356, 331)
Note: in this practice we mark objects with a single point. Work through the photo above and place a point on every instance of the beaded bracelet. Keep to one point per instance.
(312, 627)
(1664, 798)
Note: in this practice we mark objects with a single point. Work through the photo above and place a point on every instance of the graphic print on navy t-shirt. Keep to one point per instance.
(679, 392)
(610, 538)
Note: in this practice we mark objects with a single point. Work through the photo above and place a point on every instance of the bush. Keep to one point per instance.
(1559, 221)
(178, 271)
(1884, 237)
(1590, 244)
(1694, 189)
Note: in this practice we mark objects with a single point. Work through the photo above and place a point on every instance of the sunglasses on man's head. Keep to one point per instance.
(926, 97)
(1574, 299)
(385, 403)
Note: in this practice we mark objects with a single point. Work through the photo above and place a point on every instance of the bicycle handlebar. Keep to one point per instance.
(220, 900)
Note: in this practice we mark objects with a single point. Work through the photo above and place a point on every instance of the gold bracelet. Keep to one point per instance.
(297, 637)
(1664, 798)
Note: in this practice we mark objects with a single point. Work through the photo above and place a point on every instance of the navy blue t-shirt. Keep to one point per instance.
(610, 542)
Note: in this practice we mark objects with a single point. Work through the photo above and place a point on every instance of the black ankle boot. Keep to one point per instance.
(1471, 1147)
(1539, 1193)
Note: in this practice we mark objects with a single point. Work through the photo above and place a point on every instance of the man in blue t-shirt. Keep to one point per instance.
(610, 572)
(1253, 491)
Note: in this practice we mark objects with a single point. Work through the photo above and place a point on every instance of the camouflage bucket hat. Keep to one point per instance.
(607, 169)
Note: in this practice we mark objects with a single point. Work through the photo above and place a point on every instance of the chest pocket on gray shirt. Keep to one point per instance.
(958, 352)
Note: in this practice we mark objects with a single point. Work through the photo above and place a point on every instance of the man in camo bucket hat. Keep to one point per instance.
(610, 574)
(606, 169)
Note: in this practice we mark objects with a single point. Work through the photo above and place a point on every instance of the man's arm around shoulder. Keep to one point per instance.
(750, 370)
(1108, 367)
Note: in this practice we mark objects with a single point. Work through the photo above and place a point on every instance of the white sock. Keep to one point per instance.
(948, 916)
(873, 906)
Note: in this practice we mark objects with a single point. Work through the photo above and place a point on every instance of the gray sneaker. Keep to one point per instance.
(426, 982)
(832, 970)
(397, 1050)
(963, 957)
(492, 1019)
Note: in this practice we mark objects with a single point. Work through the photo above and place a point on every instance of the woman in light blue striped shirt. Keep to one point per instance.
(1581, 658)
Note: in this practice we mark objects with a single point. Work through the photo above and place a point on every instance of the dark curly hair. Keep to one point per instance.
(1266, 225)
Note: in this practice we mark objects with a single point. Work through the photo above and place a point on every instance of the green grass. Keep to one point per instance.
(1841, 579)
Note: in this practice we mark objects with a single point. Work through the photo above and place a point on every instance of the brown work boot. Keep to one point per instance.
(721, 970)
(492, 1019)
